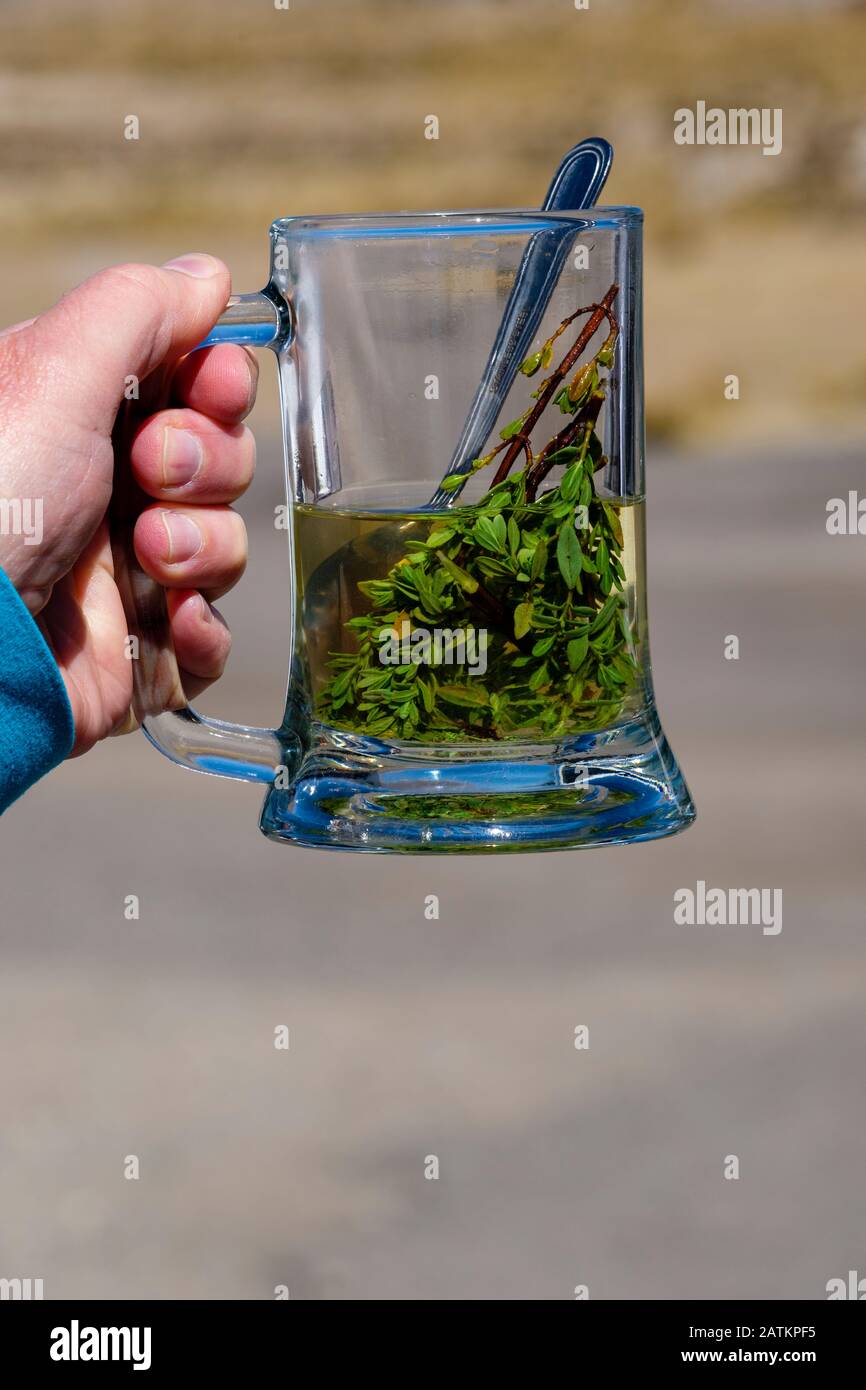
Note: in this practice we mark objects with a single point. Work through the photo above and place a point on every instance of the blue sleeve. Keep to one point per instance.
(36, 727)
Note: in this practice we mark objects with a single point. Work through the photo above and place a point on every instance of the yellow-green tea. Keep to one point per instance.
(481, 623)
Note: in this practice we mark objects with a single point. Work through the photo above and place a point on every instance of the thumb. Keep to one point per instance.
(125, 321)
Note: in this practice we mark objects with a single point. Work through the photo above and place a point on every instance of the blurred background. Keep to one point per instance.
(154, 1037)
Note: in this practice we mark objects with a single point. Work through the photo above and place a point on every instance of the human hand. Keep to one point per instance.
(62, 381)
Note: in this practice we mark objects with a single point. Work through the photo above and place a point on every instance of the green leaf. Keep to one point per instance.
(539, 678)
(384, 724)
(471, 697)
(576, 652)
(604, 615)
(568, 555)
(539, 561)
(525, 556)
(488, 534)
(513, 536)
(513, 428)
(496, 501)
(426, 694)
(531, 365)
(604, 357)
(459, 575)
(377, 589)
(571, 482)
(583, 384)
(341, 684)
(623, 667)
(440, 536)
(492, 569)
(565, 455)
(453, 481)
(613, 522)
(522, 619)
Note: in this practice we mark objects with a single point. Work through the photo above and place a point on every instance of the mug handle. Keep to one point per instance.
(158, 702)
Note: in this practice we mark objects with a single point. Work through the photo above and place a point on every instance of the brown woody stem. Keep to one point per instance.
(584, 423)
(599, 312)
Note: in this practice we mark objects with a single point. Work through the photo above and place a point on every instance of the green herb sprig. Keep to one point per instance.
(542, 575)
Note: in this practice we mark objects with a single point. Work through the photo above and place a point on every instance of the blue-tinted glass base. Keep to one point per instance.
(600, 789)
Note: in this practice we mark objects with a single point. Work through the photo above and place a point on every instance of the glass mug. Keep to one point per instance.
(470, 663)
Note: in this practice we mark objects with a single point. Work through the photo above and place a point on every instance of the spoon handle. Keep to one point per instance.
(576, 184)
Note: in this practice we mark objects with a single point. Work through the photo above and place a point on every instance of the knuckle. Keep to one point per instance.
(142, 280)
(143, 294)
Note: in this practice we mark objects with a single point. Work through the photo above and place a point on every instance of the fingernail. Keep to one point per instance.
(254, 378)
(195, 263)
(182, 456)
(184, 537)
(206, 610)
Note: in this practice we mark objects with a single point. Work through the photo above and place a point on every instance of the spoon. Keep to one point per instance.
(577, 183)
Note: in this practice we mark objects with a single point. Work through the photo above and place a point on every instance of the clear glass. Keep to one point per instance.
(470, 663)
